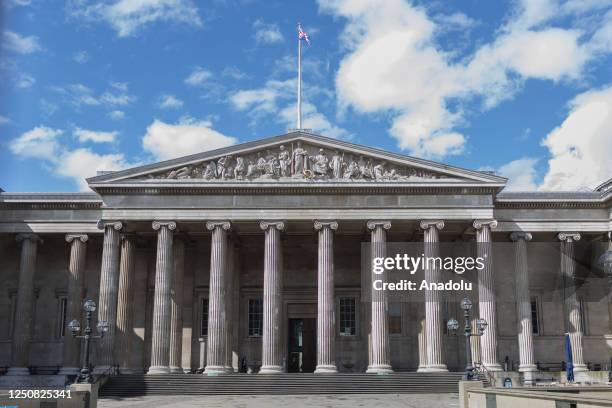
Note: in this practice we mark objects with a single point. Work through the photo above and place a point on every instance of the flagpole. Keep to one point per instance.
(299, 90)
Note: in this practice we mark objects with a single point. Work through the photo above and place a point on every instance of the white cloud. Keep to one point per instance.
(127, 17)
(4, 120)
(24, 81)
(79, 95)
(189, 136)
(15, 42)
(170, 102)
(81, 57)
(42, 143)
(580, 147)
(84, 135)
(116, 115)
(19, 2)
(521, 174)
(398, 68)
(266, 33)
(198, 76)
(234, 73)
(82, 163)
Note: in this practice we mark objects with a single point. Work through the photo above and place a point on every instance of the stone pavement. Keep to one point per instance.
(293, 401)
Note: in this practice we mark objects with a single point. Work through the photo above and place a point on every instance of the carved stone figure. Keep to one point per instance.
(365, 168)
(284, 161)
(300, 160)
(352, 170)
(379, 171)
(240, 169)
(210, 170)
(320, 163)
(336, 165)
(224, 169)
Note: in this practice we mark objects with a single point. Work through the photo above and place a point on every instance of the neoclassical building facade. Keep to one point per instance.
(248, 258)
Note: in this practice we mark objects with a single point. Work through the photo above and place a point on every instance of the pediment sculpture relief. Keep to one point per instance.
(297, 161)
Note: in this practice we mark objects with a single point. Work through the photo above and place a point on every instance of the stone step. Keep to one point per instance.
(285, 384)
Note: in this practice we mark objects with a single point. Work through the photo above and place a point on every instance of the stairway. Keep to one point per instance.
(283, 384)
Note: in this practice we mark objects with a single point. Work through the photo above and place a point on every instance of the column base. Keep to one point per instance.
(215, 370)
(176, 370)
(158, 370)
(439, 368)
(527, 368)
(529, 378)
(421, 369)
(326, 369)
(69, 371)
(493, 366)
(379, 369)
(580, 368)
(18, 371)
(271, 369)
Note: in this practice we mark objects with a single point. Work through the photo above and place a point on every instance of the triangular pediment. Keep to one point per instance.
(296, 157)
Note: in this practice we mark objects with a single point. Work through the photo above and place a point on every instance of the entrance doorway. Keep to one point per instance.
(302, 345)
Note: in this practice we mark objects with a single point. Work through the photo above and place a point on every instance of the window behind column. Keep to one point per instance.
(204, 318)
(535, 316)
(347, 316)
(255, 317)
(395, 318)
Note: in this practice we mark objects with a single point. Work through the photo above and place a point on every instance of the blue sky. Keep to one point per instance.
(523, 88)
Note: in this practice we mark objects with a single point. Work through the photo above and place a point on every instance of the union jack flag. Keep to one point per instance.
(302, 35)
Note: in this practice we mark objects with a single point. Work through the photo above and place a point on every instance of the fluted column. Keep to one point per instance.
(22, 332)
(125, 304)
(326, 322)
(486, 294)
(107, 302)
(433, 313)
(229, 308)
(215, 355)
(422, 338)
(523, 306)
(572, 305)
(176, 308)
(272, 341)
(160, 334)
(380, 356)
(76, 292)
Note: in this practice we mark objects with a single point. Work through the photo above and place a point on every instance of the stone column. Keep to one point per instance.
(422, 338)
(380, 361)
(176, 308)
(433, 317)
(523, 307)
(572, 305)
(486, 294)
(229, 307)
(215, 354)
(272, 341)
(160, 334)
(74, 309)
(107, 302)
(22, 331)
(125, 304)
(326, 321)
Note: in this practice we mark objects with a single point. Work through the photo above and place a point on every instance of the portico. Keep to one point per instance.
(234, 247)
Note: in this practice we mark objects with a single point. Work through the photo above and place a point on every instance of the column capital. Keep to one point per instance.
(28, 236)
(479, 224)
(520, 235)
(171, 225)
(320, 224)
(279, 225)
(117, 225)
(81, 237)
(372, 224)
(211, 225)
(568, 236)
(427, 224)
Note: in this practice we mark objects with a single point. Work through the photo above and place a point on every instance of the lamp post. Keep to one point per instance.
(453, 325)
(89, 306)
